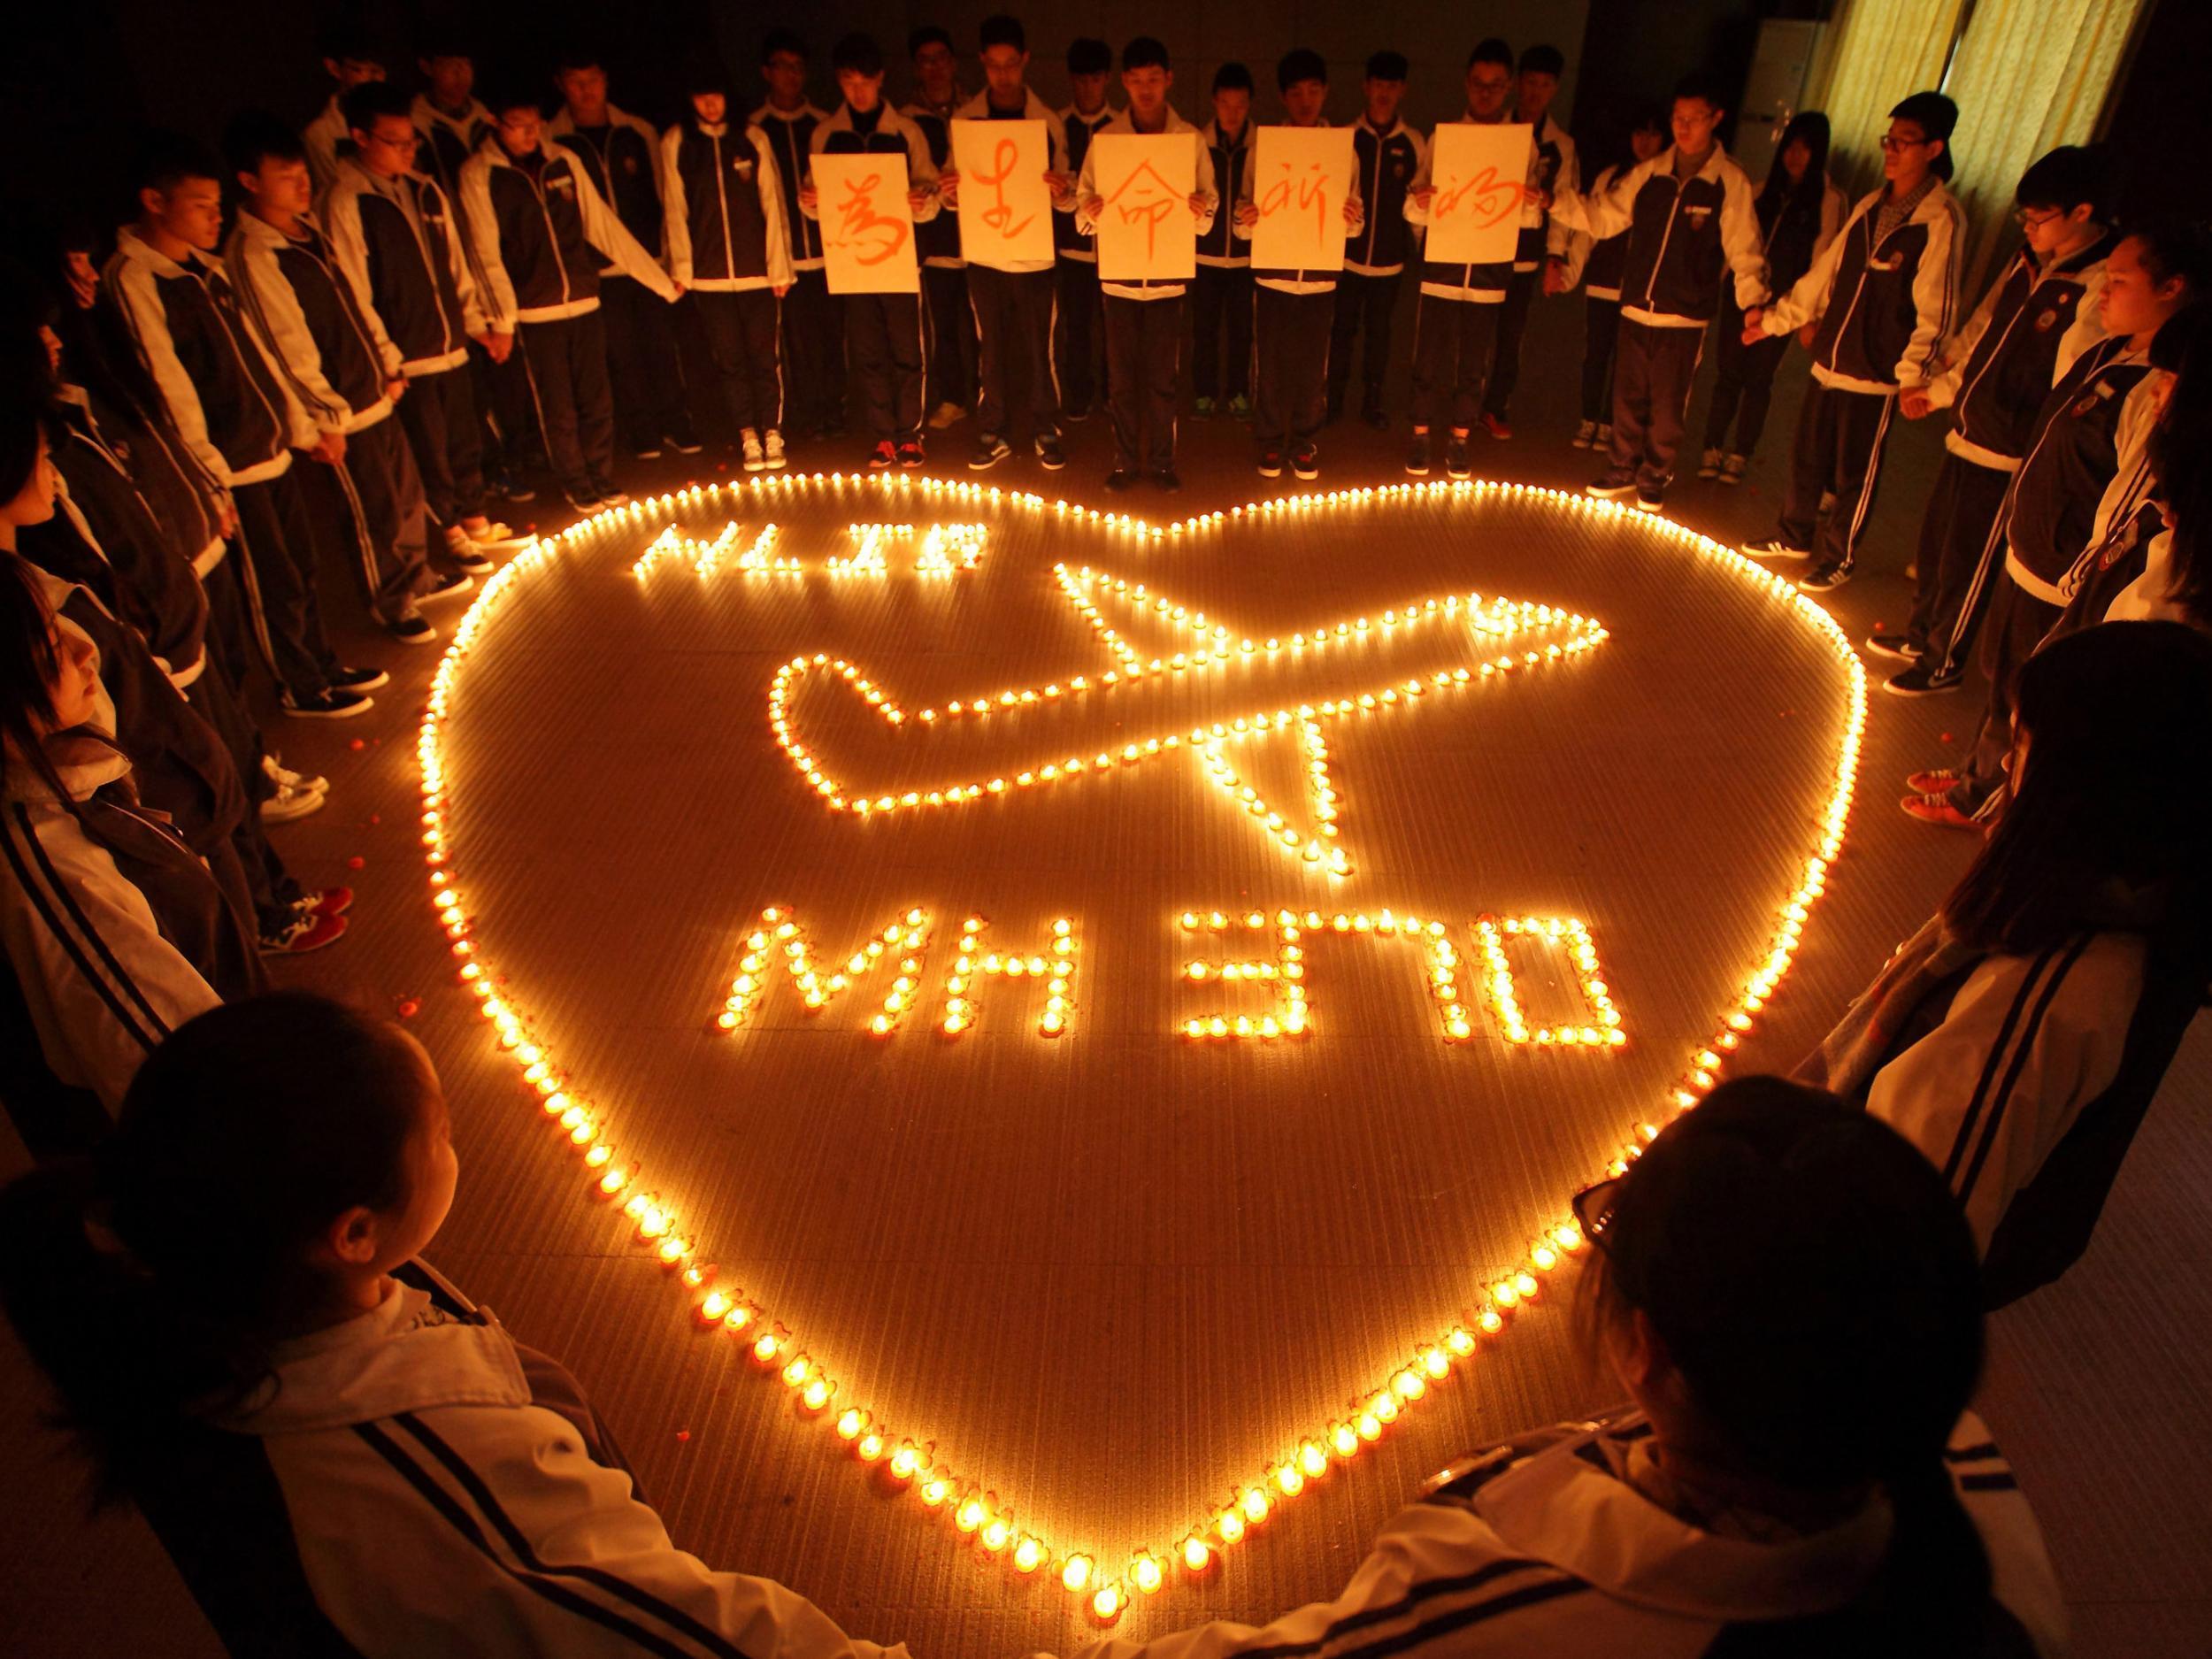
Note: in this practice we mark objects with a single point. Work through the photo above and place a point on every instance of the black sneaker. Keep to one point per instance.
(989, 450)
(473, 563)
(1417, 456)
(1456, 462)
(1899, 647)
(585, 502)
(610, 496)
(1612, 484)
(884, 457)
(1121, 478)
(1305, 461)
(1271, 462)
(1076, 413)
(649, 450)
(327, 706)
(515, 490)
(1924, 680)
(1825, 577)
(682, 442)
(412, 629)
(910, 455)
(1650, 499)
(1773, 546)
(1167, 479)
(1050, 455)
(359, 679)
(446, 585)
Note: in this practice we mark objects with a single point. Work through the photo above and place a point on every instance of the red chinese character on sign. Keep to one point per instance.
(1304, 193)
(1000, 215)
(1151, 200)
(874, 236)
(1486, 197)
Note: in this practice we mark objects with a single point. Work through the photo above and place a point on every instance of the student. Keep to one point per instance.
(1882, 297)
(1455, 320)
(2165, 572)
(537, 217)
(937, 98)
(337, 1459)
(1598, 266)
(1553, 166)
(1796, 1472)
(1691, 224)
(621, 152)
(1221, 370)
(1144, 318)
(1294, 310)
(452, 120)
(341, 367)
(350, 61)
(2039, 315)
(1799, 213)
(395, 235)
(885, 333)
(2018, 1037)
(1077, 343)
(730, 249)
(1013, 304)
(813, 317)
(2085, 474)
(1386, 154)
(175, 303)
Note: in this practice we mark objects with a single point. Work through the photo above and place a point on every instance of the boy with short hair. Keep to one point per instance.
(240, 423)
(538, 222)
(452, 120)
(813, 317)
(946, 314)
(1883, 295)
(1294, 309)
(884, 332)
(727, 246)
(2040, 315)
(621, 152)
(1144, 317)
(1691, 223)
(1014, 303)
(397, 239)
(1386, 154)
(349, 60)
(1222, 303)
(341, 367)
(1077, 343)
(1553, 166)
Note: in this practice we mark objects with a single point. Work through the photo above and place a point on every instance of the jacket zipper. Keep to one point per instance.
(1674, 209)
(1872, 249)
(346, 304)
(430, 271)
(284, 435)
(552, 237)
(722, 199)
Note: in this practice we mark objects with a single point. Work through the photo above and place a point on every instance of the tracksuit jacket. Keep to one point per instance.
(1882, 310)
(1387, 164)
(790, 135)
(402, 248)
(1790, 237)
(2086, 470)
(937, 244)
(1553, 166)
(2026, 335)
(448, 141)
(1202, 183)
(893, 135)
(1034, 108)
(536, 231)
(327, 140)
(626, 174)
(1477, 284)
(1596, 262)
(1554, 1544)
(725, 202)
(1218, 244)
(238, 418)
(1298, 281)
(1683, 235)
(1077, 130)
(330, 347)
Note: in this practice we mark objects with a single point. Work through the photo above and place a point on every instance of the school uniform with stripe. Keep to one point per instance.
(1375, 256)
(1078, 341)
(813, 319)
(1221, 297)
(1292, 314)
(727, 244)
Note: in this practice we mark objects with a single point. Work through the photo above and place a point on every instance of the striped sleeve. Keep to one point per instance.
(102, 985)
(2027, 1043)
(1935, 293)
(2020, 1571)
(130, 288)
(264, 293)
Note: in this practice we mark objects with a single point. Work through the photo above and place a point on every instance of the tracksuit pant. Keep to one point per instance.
(1144, 346)
(1079, 348)
(275, 550)
(1451, 354)
(2019, 622)
(890, 354)
(741, 328)
(567, 363)
(268, 888)
(1601, 333)
(1505, 368)
(952, 347)
(1653, 369)
(372, 502)
(1745, 389)
(1013, 320)
(1363, 305)
(439, 416)
(642, 365)
(1960, 559)
(1291, 331)
(814, 355)
(1838, 448)
(1221, 364)
(513, 441)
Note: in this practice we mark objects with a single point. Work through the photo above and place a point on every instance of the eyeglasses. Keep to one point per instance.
(1593, 1208)
(1893, 143)
(2030, 221)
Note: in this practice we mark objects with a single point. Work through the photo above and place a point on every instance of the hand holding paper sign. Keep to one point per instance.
(867, 223)
(1002, 187)
(1302, 192)
(1143, 206)
(1479, 175)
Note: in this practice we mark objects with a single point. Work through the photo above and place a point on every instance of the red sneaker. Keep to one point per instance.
(308, 930)
(1936, 809)
(1935, 780)
(910, 454)
(1495, 426)
(884, 457)
(329, 900)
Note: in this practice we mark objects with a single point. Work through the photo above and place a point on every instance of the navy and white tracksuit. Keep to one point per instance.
(1079, 346)
(1598, 266)
(813, 317)
(1375, 259)
(945, 312)
(1221, 301)
(1292, 312)
(1015, 304)
(729, 246)
(1553, 166)
(1792, 232)
(1455, 323)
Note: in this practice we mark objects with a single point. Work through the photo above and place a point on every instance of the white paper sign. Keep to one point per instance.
(1005, 205)
(1144, 182)
(867, 224)
(1481, 175)
(1301, 176)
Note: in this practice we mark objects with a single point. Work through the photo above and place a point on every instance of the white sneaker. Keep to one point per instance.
(1709, 466)
(284, 777)
(1585, 431)
(494, 535)
(755, 457)
(772, 455)
(289, 803)
(946, 415)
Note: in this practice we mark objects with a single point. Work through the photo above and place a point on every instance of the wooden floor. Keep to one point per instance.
(1112, 1273)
